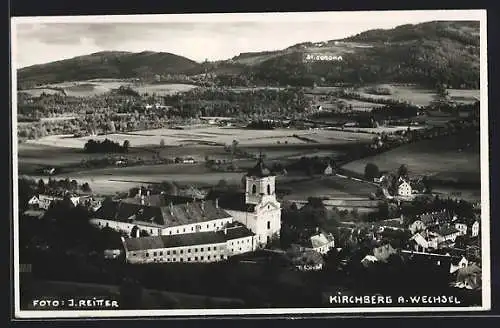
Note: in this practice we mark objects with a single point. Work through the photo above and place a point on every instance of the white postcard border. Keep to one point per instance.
(459, 15)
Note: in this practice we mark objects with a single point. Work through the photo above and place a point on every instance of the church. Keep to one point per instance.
(226, 220)
(257, 208)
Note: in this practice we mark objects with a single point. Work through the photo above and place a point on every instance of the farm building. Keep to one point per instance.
(462, 228)
(404, 189)
(475, 229)
(458, 263)
(321, 242)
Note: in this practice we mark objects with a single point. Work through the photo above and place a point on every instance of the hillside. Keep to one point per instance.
(107, 64)
(426, 54)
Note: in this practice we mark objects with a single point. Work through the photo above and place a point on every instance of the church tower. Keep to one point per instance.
(260, 184)
(260, 194)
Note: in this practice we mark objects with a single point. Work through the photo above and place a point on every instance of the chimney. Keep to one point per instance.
(171, 208)
(217, 203)
(225, 231)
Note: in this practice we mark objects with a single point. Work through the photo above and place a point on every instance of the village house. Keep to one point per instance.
(207, 246)
(321, 242)
(44, 201)
(429, 220)
(446, 234)
(328, 170)
(475, 229)
(391, 224)
(416, 226)
(457, 263)
(442, 261)
(368, 260)
(462, 228)
(423, 242)
(404, 188)
(379, 254)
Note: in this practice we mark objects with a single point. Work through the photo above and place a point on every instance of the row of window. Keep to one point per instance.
(193, 259)
(242, 242)
(174, 251)
(254, 189)
(198, 227)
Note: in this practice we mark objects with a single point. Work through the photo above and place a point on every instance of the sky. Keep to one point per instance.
(38, 40)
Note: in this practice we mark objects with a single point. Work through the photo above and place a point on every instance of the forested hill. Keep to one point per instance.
(427, 54)
(108, 64)
(441, 52)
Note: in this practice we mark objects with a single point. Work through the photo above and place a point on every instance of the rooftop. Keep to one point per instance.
(165, 216)
(445, 230)
(231, 200)
(320, 239)
(429, 218)
(191, 239)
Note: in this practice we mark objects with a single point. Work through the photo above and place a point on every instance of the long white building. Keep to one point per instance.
(159, 225)
(208, 246)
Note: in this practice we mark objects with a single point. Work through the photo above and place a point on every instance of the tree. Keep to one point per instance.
(126, 145)
(222, 183)
(427, 185)
(86, 187)
(234, 148)
(74, 185)
(403, 171)
(41, 186)
(371, 171)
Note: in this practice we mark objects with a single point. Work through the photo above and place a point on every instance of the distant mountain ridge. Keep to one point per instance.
(439, 52)
(109, 64)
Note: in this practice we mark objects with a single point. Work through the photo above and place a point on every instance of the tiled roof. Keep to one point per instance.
(446, 230)
(234, 201)
(166, 216)
(429, 218)
(191, 239)
(320, 239)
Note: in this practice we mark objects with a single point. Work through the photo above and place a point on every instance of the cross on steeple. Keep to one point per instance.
(261, 155)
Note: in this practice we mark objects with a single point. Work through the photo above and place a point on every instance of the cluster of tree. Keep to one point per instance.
(106, 146)
(399, 110)
(298, 225)
(426, 204)
(126, 91)
(64, 184)
(28, 187)
(312, 165)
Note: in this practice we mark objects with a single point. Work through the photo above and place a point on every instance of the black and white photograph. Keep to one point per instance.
(188, 165)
